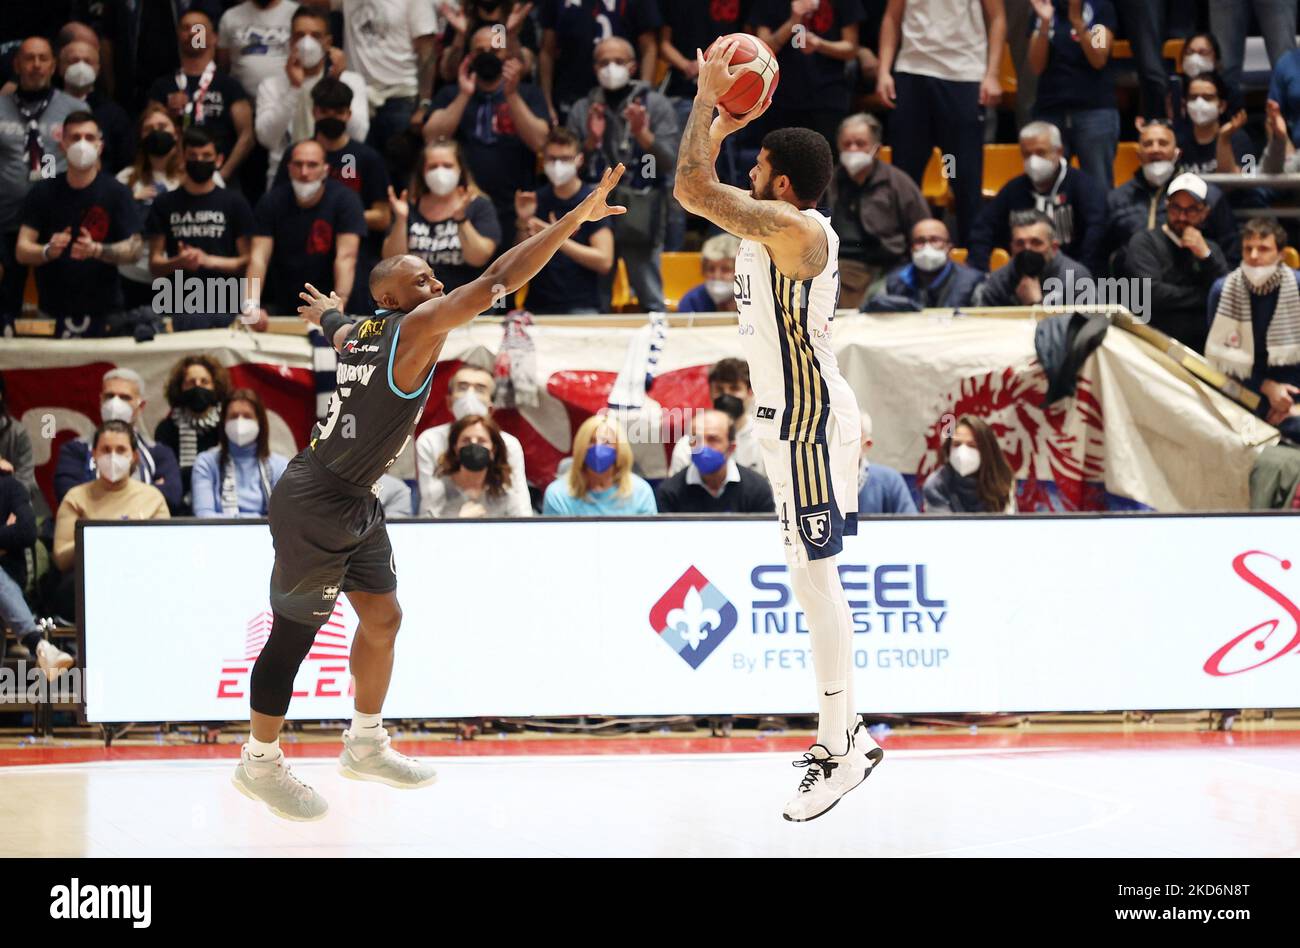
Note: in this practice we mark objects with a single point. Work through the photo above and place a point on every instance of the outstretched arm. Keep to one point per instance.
(777, 224)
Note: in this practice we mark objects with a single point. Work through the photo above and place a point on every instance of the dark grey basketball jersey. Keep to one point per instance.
(370, 420)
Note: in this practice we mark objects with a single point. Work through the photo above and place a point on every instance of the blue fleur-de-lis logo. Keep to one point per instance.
(693, 617)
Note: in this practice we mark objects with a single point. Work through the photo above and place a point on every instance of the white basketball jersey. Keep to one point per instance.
(785, 332)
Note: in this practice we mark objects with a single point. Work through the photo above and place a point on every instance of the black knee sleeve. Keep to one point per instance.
(273, 674)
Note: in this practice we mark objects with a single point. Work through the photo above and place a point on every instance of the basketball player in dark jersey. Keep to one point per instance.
(326, 520)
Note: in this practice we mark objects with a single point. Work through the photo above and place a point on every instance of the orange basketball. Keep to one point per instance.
(756, 84)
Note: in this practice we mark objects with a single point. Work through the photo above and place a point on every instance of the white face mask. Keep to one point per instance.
(442, 181)
(1040, 169)
(929, 258)
(1258, 276)
(80, 75)
(855, 162)
(1157, 172)
(468, 404)
(1197, 65)
(560, 173)
(113, 467)
(965, 460)
(116, 409)
(242, 432)
(613, 76)
(310, 52)
(82, 154)
(1201, 111)
(306, 190)
(719, 290)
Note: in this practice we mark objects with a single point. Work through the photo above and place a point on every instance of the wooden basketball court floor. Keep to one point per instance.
(1125, 794)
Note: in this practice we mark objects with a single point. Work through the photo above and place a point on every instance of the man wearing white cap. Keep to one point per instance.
(1180, 262)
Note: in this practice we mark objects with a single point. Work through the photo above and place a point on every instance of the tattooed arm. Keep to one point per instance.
(797, 244)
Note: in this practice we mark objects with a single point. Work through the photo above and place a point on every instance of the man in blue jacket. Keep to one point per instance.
(932, 280)
(121, 399)
(881, 490)
(1073, 202)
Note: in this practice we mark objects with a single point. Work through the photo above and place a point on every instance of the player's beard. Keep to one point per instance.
(764, 194)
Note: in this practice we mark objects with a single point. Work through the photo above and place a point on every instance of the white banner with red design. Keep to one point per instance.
(657, 616)
(1136, 434)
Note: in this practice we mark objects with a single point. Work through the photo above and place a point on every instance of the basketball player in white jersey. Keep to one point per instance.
(806, 416)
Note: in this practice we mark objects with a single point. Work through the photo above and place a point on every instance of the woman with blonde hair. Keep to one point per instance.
(159, 166)
(444, 219)
(600, 483)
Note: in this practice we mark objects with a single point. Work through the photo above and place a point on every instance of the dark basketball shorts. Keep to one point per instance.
(815, 487)
(329, 537)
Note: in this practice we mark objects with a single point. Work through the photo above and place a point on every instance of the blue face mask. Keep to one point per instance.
(707, 459)
(601, 457)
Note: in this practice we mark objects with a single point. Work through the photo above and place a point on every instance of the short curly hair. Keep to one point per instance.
(176, 377)
(803, 156)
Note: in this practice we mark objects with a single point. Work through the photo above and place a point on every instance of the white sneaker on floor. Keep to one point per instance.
(373, 758)
(52, 659)
(273, 783)
(827, 779)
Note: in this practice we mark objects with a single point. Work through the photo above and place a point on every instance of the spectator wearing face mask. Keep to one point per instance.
(1200, 56)
(308, 231)
(470, 393)
(499, 119)
(881, 490)
(717, 293)
(158, 168)
(932, 279)
(79, 69)
(599, 482)
(1181, 263)
(714, 483)
(1073, 202)
(254, 41)
(121, 398)
(874, 207)
(473, 477)
(197, 386)
(1070, 53)
(1211, 141)
(286, 110)
(1139, 204)
(77, 229)
(1255, 324)
(625, 120)
(113, 495)
(201, 230)
(973, 476)
(444, 219)
(570, 281)
(358, 168)
(1036, 258)
(235, 479)
(571, 30)
(31, 123)
(730, 393)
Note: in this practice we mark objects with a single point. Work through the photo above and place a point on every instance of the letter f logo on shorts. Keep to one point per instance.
(816, 527)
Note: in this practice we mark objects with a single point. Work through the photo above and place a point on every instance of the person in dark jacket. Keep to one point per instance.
(714, 483)
(974, 476)
(881, 489)
(874, 207)
(17, 533)
(1264, 355)
(16, 447)
(1037, 265)
(1181, 263)
(121, 398)
(932, 279)
(1073, 201)
(1139, 204)
(197, 387)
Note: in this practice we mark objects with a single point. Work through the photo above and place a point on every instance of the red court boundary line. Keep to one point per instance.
(990, 741)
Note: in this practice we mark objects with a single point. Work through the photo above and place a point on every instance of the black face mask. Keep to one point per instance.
(487, 66)
(198, 399)
(732, 405)
(1029, 263)
(158, 143)
(474, 457)
(331, 127)
(200, 172)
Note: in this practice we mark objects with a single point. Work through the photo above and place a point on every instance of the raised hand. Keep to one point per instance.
(294, 70)
(594, 206)
(1044, 10)
(637, 117)
(1228, 128)
(401, 207)
(58, 243)
(455, 16)
(716, 75)
(316, 304)
(525, 205)
(724, 123)
(465, 79)
(518, 14)
(596, 123)
(1274, 122)
(511, 72)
